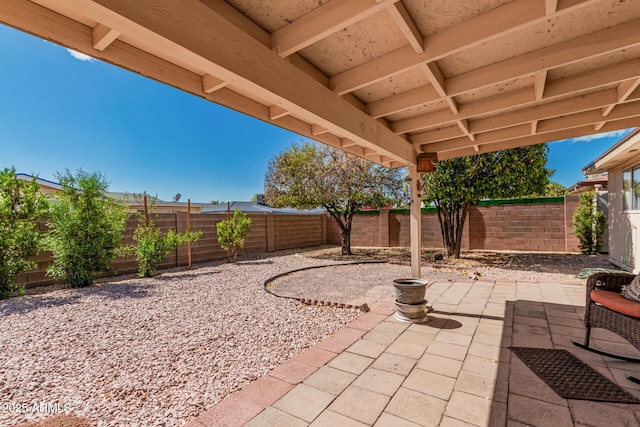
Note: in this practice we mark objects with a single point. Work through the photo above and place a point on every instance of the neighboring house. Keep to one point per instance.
(622, 162)
(46, 187)
(255, 207)
(598, 182)
(49, 188)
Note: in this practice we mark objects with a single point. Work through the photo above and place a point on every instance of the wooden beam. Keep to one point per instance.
(403, 101)
(405, 22)
(450, 40)
(415, 223)
(564, 53)
(553, 88)
(103, 36)
(318, 130)
(276, 112)
(464, 127)
(541, 138)
(481, 138)
(440, 134)
(439, 83)
(544, 111)
(539, 82)
(550, 6)
(424, 121)
(624, 89)
(321, 22)
(198, 35)
(211, 84)
(593, 78)
(347, 143)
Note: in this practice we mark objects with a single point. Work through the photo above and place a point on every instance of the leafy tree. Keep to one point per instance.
(21, 206)
(232, 232)
(458, 183)
(151, 247)
(589, 223)
(554, 189)
(310, 175)
(216, 202)
(85, 228)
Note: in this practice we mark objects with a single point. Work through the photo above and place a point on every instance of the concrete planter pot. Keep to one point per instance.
(413, 313)
(409, 291)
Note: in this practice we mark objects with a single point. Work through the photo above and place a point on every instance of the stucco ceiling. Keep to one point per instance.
(383, 79)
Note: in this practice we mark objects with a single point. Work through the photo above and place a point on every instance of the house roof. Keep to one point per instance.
(41, 182)
(383, 79)
(619, 155)
(251, 207)
(600, 181)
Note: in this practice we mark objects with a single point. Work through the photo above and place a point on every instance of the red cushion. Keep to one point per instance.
(616, 302)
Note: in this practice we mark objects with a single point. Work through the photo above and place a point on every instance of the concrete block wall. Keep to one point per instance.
(269, 233)
(533, 226)
(298, 231)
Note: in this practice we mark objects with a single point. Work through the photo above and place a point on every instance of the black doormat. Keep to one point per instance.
(569, 377)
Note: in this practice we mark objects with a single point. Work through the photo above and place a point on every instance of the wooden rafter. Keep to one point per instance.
(464, 35)
(321, 22)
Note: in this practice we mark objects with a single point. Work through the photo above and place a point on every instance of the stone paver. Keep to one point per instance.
(536, 412)
(407, 349)
(416, 407)
(351, 362)
(329, 418)
(379, 381)
(367, 348)
(331, 380)
(304, 402)
(394, 363)
(360, 404)
(430, 383)
(272, 417)
(388, 420)
(454, 371)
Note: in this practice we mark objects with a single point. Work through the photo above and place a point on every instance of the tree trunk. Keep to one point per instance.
(460, 228)
(452, 219)
(345, 233)
(345, 227)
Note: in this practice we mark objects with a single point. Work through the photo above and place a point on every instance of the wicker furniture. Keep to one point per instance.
(599, 316)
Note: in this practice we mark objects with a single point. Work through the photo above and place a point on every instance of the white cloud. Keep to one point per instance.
(80, 56)
(587, 138)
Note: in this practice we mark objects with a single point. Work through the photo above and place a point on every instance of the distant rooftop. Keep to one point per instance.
(253, 207)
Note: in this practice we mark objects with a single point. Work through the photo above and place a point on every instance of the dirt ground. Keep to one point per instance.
(371, 283)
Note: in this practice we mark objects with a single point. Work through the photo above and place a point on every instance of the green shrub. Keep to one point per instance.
(232, 232)
(21, 206)
(86, 228)
(151, 247)
(589, 223)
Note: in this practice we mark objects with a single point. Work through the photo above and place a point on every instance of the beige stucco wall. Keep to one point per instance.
(624, 227)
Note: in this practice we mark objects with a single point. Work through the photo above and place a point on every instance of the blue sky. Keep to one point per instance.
(60, 110)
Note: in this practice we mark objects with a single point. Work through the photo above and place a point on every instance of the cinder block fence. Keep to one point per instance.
(542, 224)
(532, 225)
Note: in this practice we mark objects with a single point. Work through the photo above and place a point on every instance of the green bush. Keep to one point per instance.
(151, 247)
(21, 206)
(86, 228)
(589, 223)
(232, 232)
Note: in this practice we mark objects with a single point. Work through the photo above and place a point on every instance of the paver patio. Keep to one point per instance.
(455, 370)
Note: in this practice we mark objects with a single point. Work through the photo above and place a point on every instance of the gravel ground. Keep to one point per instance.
(147, 352)
(153, 351)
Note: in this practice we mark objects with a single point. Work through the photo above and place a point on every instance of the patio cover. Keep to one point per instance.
(383, 79)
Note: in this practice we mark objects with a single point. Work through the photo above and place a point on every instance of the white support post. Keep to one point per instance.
(415, 223)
